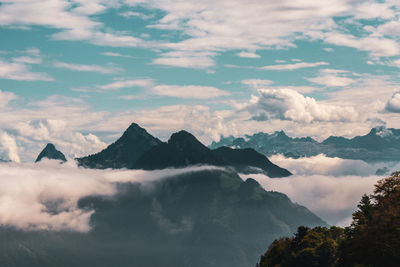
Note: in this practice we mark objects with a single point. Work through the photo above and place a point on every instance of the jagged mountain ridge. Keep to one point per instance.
(248, 160)
(137, 149)
(207, 218)
(123, 152)
(181, 150)
(50, 152)
(379, 145)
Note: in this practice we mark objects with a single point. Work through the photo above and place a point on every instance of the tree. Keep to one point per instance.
(372, 239)
(309, 247)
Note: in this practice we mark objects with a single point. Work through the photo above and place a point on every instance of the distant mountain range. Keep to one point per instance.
(197, 219)
(379, 145)
(137, 149)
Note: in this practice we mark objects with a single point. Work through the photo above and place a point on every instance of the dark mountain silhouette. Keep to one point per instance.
(124, 152)
(379, 145)
(50, 152)
(182, 149)
(247, 159)
(206, 218)
(137, 149)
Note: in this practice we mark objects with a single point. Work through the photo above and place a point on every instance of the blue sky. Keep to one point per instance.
(77, 73)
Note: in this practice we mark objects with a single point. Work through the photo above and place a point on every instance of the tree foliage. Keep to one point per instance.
(372, 239)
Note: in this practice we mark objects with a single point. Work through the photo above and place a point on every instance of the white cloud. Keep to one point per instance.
(248, 55)
(189, 91)
(263, 84)
(196, 60)
(8, 142)
(294, 66)
(27, 189)
(393, 104)
(328, 49)
(130, 14)
(377, 46)
(332, 80)
(20, 71)
(334, 199)
(257, 83)
(287, 104)
(391, 28)
(72, 18)
(395, 63)
(371, 10)
(87, 68)
(58, 132)
(112, 54)
(127, 84)
(323, 165)
(6, 97)
(28, 60)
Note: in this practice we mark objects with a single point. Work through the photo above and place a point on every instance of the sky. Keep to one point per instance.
(76, 73)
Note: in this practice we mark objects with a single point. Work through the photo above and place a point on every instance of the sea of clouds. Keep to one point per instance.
(329, 187)
(44, 196)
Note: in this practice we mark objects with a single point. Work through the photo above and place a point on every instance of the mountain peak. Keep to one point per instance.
(134, 130)
(184, 138)
(124, 152)
(50, 152)
(182, 149)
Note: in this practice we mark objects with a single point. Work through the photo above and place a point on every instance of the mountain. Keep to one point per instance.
(379, 145)
(183, 149)
(247, 160)
(270, 144)
(196, 219)
(137, 149)
(50, 152)
(124, 152)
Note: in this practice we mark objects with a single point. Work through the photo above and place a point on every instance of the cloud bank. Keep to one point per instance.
(323, 165)
(45, 196)
(334, 199)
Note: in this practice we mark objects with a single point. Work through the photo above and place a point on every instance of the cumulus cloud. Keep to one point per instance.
(44, 196)
(334, 199)
(287, 104)
(393, 104)
(58, 132)
(8, 142)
